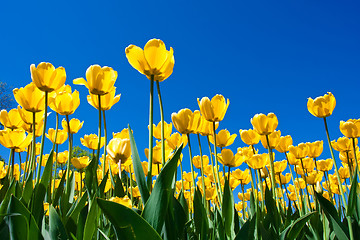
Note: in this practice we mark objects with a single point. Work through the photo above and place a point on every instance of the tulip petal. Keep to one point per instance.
(155, 53)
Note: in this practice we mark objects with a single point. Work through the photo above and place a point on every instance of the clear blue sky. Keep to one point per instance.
(265, 56)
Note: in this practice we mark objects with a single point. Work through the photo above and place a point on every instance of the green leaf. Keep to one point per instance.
(228, 211)
(119, 189)
(56, 227)
(28, 189)
(294, 229)
(353, 195)
(16, 222)
(246, 231)
(60, 190)
(184, 204)
(272, 212)
(81, 222)
(5, 202)
(91, 220)
(138, 170)
(46, 175)
(332, 215)
(128, 224)
(180, 217)
(156, 207)
(103, 184)
(91, 182)
(200, 217)
(32, 229)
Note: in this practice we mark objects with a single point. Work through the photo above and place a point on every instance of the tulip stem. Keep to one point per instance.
(191, 163)
(162, 124)
(131, 187)
(149, 175)
(272, 174)
(105, 136)
(292, 179)
(43, 139)
(12, 156)
(70, 153)
(33, 154)
(99, 131)
(355, 157)
(216, 163)
(202, 171)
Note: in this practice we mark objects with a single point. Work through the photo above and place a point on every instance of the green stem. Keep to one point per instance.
(33, 155)
(43, 139)
(99, 130)
(355, 157)
(213, 171)
(216, 164)
(272, 173)
(12, 154)
(292, 179)
(131, 187)
(202, 170)
(151, 113)
(105, 136)
(162, 124)
(191, 163)
(69, 158)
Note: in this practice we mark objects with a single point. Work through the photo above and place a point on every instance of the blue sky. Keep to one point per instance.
(265, 56)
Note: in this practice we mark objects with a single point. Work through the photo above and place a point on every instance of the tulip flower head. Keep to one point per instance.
(350, 128)
(214, 110)
(264, 124)
(154, 61)
(249, 137)
(16, 139)
(322, 106)
(11, 119)
(182, 120)
(60, 138)
(223, 138)
(284, 143)
(81, 162)
(91, 141)
(46, 77)
(119, 149)
(75, 125)
(106, 101)
(30, 98)
(64, 101)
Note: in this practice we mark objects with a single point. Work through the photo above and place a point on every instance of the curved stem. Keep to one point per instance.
(162, 124)
(43, 139)
(149, 175)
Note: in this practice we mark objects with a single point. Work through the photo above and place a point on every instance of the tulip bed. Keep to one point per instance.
(110, 193)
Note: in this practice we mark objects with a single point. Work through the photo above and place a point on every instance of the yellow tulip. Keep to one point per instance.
(81, 162)
(223, 138)
(27, 116)
(44, 160)
(243, 176)
(75, 125)
(299, 151)
(197, 161)
(123, 134)
(106, 100)
(91, 141)
(46, 77)
(11, 119)
(249, 137)
(108, 160)
(62, 157)
(182, 120)
(206, 127)
(214, 110)
(228, 158)
(175, 140)
(119, 149)
(30, 98)
(100, 80)
(280, 166)
(343, 144)
(64, 102)
(325, 165)
(274, 139)
(322, 106)
(123, 201)
(315, 149)
(309, 164)
(314, 177)
(350, 128)
(60, 138)
(264, 124)
(157, 130)
(281, 179)
(157, 157)
(344, 172)
(154, 60)
(259, 161)
(15, 139)
(284, 143)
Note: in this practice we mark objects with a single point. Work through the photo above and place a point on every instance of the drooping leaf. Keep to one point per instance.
(138, 170)
(294, 229)
(128, 224)
(156, 207)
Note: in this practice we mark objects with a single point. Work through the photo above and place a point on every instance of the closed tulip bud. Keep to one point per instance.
(223, 138)
(228, 158)
(264, 124)
(46, 77)
(214, 110)
(175, 140)
(343, 144)
(154, 61)
(119, 149)
(91, 141)
(30, 98)
(157, 130)
(350, 128)
(81, 162)
(100, 80)
(274, 139)
(299, 151)
(325, 165)
(284, 143)
(11, 119)
(259, 161)
(60, 138)
(249, 137)
(75, 125)
(322, 106)
(64, 101)
(106, 101)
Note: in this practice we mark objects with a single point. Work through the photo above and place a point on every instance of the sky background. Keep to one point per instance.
(265, 56)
